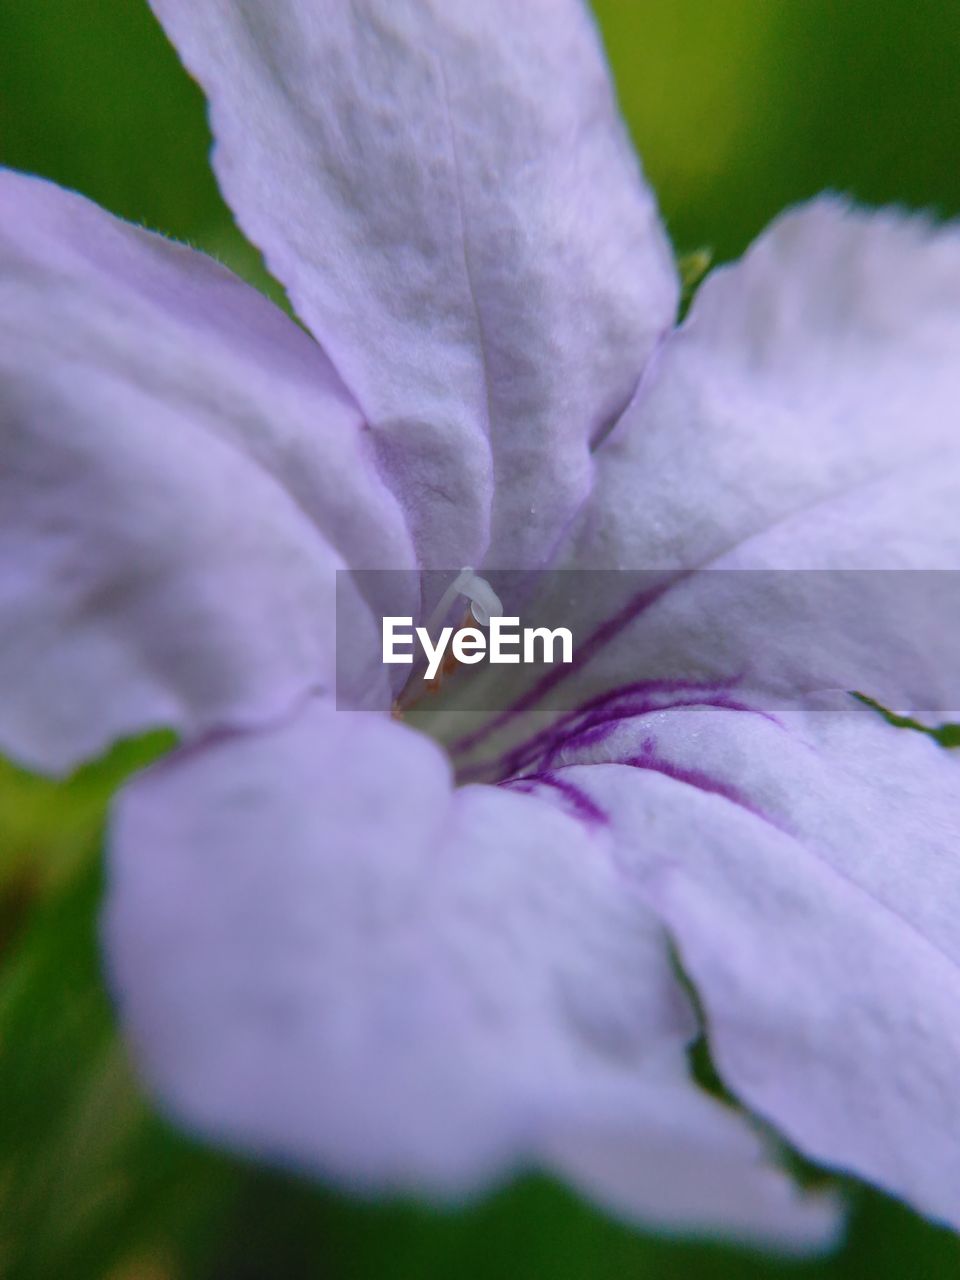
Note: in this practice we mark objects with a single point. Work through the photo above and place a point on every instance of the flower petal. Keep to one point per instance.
(807, 404)
(180, 474)
(803, 418)
(808, 871)
(326, 957)
(450, 198)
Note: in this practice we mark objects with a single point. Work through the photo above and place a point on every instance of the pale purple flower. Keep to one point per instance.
(328, 953)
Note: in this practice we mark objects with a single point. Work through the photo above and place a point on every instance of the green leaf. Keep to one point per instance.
(89, 1176)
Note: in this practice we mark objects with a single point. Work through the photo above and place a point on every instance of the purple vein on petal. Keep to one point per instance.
(595, 720)
(587, 809)
(585, 730)
(703, 781)
(583, 807)
(585, 653)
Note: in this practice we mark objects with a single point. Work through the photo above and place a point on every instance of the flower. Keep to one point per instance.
(325, 951)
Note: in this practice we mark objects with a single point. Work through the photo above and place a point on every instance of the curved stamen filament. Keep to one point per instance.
(484, 604)
(484, 601)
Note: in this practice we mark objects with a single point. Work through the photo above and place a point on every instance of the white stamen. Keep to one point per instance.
(484, 601)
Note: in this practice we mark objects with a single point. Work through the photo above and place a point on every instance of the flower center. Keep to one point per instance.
(484, 603)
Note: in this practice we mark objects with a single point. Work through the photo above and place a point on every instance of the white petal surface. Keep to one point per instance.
(812, 390)
(180, 474)
(809, 871)
(450, 197)
(805, 417)
(326, 957)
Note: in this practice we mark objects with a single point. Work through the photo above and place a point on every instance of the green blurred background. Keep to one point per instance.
(738, 107)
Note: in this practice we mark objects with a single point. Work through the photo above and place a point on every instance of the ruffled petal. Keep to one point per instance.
(181, 472)
(807, 868)
(780, 506)
(328, 958)
(448, 194)
(804, 414)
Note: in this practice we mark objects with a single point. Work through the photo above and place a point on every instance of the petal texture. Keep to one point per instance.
(802, 419)
(327, 957)
(803, 416)
(449, 196)
(809, 872)
(180, 474)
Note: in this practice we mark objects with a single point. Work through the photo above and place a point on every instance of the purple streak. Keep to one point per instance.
(583, 807)
(586, 652)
